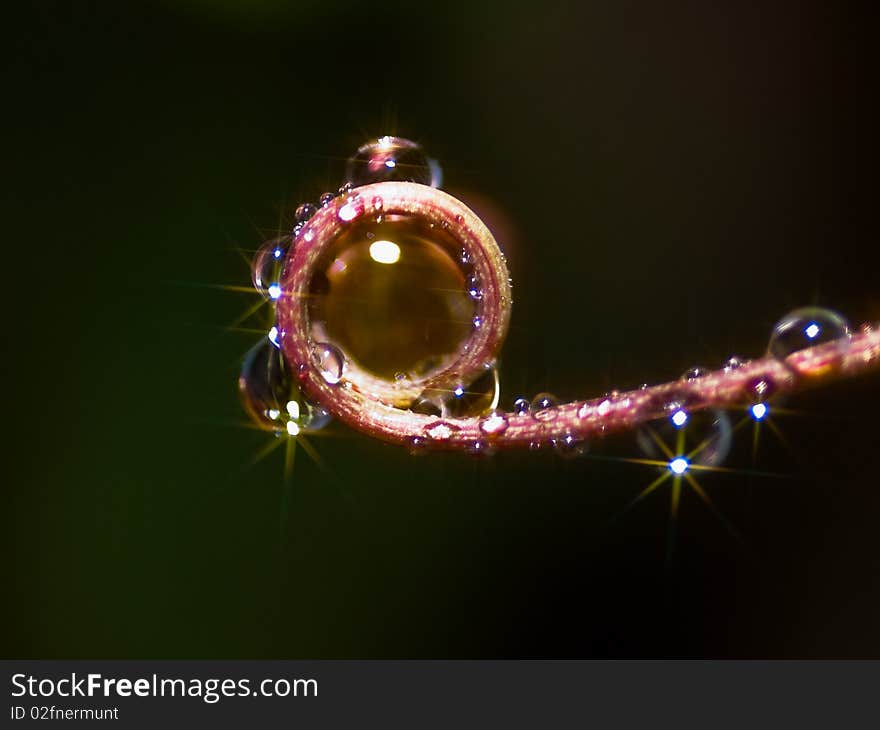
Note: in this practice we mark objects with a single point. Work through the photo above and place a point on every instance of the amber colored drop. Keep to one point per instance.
(392, 296)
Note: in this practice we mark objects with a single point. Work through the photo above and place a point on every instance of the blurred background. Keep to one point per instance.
(668, 180)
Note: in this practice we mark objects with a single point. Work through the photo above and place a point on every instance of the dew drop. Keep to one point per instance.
(351, 209)
(476, 399)
(378, 204)
(479, 448)
(440, 430)
(473, 288)
(494, 424)
(464, 256)
(391, 159)
(604, 408)
(694, 373)
(569, 445)
(761, 388)
(543, 406)
(305, 211)
(732, 363)
(521, 406)
(477, 322)
(807, 327)
(426, 406)
(266, 267)
(329, 361)
(326, 199)
(270, 396)
(705, 437)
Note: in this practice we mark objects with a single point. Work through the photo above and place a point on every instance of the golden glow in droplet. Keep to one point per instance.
(384, 252)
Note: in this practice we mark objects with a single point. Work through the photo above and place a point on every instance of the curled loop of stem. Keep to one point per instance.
(378, 407)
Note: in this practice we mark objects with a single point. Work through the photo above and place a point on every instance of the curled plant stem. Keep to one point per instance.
(378, 408)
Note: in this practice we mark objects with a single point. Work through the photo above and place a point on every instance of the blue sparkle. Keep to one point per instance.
(759, 411)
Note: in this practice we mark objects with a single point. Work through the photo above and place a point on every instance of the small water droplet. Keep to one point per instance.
(352, 208)
(459, 219)
(464, 256)
(479, 448)
(402, 380)
(329, 361)
(733, 363)
(305, 211)
(494, 424)
(440, 430)
(326, 199)
(378, 204)
(473, 288)
(694, 373)
(807, 327)
(569, 445)
(267, 265)
(478, 322)
(345, 188)
(521, 406)
(391, 159)
(543, 406)
(604, 408)
(761, 388)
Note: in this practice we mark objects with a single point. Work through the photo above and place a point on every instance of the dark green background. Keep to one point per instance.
(668, 179)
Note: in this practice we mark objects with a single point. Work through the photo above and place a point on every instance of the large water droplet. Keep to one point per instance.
(704, 438)
(266, 266)
(270, 396)
(329, 360)
(807, 327)
(392, 158)
(392, 295)
(543, 406)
